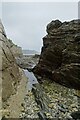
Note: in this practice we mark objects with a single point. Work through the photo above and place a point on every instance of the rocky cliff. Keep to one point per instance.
(60, 55)
(9, 70)
(16, 50)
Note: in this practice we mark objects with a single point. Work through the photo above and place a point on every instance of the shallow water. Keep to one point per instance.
(31, 79)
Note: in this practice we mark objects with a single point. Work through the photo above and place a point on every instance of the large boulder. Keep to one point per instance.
(9, 71)
(60, 54)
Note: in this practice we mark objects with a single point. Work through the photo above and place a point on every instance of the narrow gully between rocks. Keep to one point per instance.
(40, 98)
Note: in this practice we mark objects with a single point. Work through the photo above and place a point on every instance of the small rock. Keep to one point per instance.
(42, 116)
(48, 114)
(74, 109)
(62, 109)
(36, 109)
(22, 110)
(51, 105)
(72, 105)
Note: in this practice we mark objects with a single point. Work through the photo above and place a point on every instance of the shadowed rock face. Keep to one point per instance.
(60, 55)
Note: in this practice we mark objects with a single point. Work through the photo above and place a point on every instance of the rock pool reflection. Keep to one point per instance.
(31, 79)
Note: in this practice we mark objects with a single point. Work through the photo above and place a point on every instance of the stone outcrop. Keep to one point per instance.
(9, 71)
(27, 62)
(60, 55)
(16, 50)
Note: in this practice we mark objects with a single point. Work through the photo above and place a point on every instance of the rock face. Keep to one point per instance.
(60, 55)
(27, 61)
(16, 50)
(9, 71)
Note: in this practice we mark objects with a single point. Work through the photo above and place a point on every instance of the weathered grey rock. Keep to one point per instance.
(16, 50)
(60, 55)
(9, 69)
(27, 61)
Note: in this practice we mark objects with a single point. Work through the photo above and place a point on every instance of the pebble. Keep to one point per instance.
(61, 109)
(48, 114)
(73, 105)
(30, 106)
(51, 105)
(36, 109)
(62, 103)
(75, 109)
(23, 110)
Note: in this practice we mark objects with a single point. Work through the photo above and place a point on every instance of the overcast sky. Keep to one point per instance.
(25, 23)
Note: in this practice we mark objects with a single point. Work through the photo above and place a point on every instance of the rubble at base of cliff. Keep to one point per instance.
(51, 101)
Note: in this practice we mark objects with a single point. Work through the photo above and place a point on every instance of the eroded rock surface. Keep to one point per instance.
(27, 61)
(16, 50)
(9, 69)
(60, 55)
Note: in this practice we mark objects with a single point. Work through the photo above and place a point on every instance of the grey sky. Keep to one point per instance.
(0, 10)
(79, 9)
(25, 23)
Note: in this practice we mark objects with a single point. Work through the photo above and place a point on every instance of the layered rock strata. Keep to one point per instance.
(60, 54)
